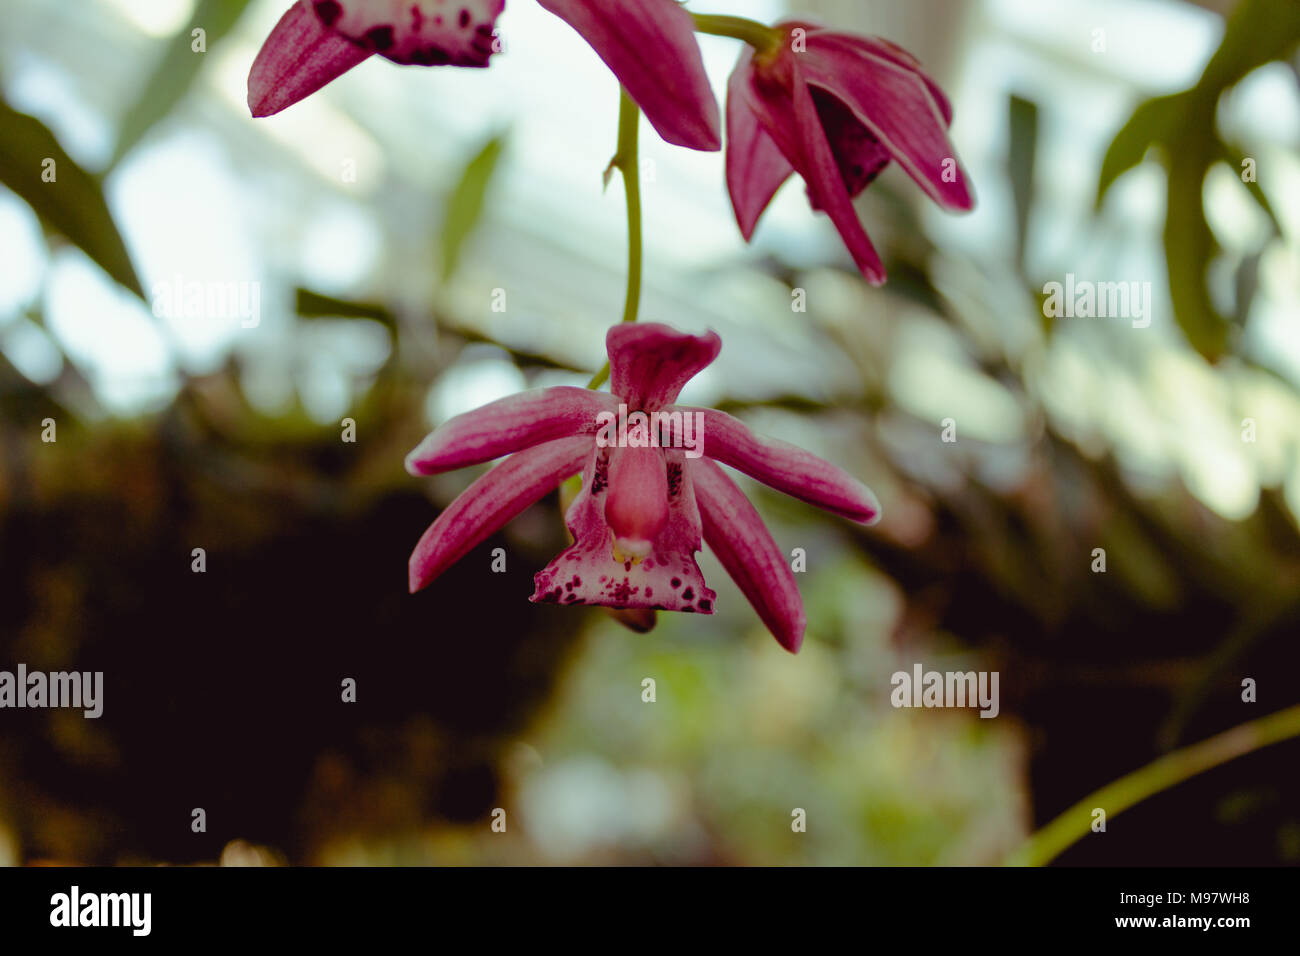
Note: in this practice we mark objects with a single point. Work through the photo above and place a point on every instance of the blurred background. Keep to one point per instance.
(367, 233)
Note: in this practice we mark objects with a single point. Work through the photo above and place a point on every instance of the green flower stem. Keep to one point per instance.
(1171, 769)
(757, 35)
(627, 161)
(629, 164)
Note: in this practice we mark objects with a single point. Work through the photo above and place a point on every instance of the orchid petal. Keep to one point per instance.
(786, 109)
(650, 46)
(894, 102)
(509, 425)
(786, 468)
(491, 501)
(649, 363)
(593, 570)
(297, 59)
(423, 32)
(756, 167)
(890, 51)
(737, 536)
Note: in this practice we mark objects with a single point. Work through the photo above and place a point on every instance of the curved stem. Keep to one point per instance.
(1171, 769)
(627, 161)
(629, 164)
(757, 35)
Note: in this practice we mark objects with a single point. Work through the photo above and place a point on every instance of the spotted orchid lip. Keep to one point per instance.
(630, 552)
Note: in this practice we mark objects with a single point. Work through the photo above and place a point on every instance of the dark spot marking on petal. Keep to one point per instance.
(676, 583)
(688, 594)
(688, 609)
(706, 605)
(381, 38)
(464, 18)
(329, 11)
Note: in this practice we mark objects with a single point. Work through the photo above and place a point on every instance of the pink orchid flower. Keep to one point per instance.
(836, 108)
(638, 521)
(649, 44)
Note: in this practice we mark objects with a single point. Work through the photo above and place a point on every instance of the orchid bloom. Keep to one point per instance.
(638, 520)
(836, 108)
(649, 44)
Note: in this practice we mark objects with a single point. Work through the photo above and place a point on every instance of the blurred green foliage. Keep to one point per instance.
(473, 701)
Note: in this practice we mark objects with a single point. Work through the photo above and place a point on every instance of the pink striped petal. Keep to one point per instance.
(491, 501)
(423, 32)
(650, 46)
(649, 363)
(297, 59)
(894, 102)
(509, 425)
(756, 168)
(788, 469)
(783, 104)
(738, 537)
(890, 51)
(661, 575)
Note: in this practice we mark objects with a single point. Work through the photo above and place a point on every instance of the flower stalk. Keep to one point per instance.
(627, 161)
(1168, 771)
(761, 38)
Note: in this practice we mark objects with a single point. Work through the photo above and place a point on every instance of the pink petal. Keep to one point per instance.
(889, 51)
(893, 102)
(423, 32)
(594, 571)
(508, 425)
(788, 469)
(297, 59)
(491, 501)
(650, 46)
(756, 168)
(737, 536)
(649, 363)
(785, 107)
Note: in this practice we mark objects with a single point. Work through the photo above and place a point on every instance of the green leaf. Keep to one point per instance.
(314, 305)
(171, 79)
(1247, 285)
(465, 204)
(1233, 157)
(1020, 165)
(1152, 122)
(1189, 247)
(1182, 125)
(72, 204)
(1258, 32)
